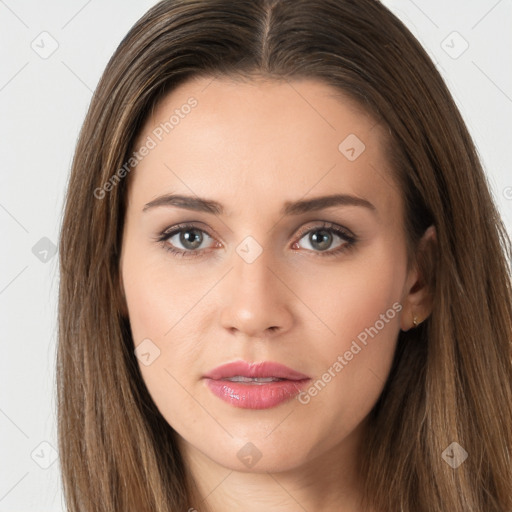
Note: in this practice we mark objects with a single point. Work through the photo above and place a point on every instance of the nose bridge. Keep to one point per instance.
(254, 299)
(251, 268)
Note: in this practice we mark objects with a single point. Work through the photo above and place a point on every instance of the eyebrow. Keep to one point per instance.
(290, 207)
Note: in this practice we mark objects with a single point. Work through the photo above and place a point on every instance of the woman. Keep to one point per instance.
(284, 282)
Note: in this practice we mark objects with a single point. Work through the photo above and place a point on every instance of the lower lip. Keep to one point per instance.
(255, 396)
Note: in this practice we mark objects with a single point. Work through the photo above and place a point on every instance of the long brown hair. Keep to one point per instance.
(451, 377)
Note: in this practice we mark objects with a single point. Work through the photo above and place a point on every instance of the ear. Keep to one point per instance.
(417, 298)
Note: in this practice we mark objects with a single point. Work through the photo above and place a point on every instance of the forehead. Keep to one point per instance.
(258, 140)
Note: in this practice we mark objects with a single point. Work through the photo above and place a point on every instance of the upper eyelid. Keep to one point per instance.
(328, 226)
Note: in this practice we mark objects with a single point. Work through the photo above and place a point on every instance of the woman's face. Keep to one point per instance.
(291, 251)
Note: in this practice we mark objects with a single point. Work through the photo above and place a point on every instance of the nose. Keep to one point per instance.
(256, 302)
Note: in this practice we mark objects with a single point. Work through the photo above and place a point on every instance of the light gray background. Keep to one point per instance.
(43, 100)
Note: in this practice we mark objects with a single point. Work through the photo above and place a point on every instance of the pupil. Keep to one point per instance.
(323, 242)
(191, 241)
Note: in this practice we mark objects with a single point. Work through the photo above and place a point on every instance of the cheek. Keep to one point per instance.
(164, 343)
(158, 299)
(162, 306)
(350, 296)
(361, 309)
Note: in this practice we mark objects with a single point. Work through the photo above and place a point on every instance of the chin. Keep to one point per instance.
(255, 453)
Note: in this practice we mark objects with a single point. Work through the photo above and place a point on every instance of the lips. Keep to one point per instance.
(255, 370)
(255, 385)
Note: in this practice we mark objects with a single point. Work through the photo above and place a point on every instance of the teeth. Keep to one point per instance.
(260, 380)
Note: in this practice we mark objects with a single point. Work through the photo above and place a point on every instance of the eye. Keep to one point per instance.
(189, 237)
(188, 241)
(321, 239)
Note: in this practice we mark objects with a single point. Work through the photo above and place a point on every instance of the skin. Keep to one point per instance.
(252, 146)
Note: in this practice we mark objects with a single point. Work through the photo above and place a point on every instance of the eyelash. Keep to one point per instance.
(350, 239)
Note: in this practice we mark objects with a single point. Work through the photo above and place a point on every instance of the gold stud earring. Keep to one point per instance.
(415, 321)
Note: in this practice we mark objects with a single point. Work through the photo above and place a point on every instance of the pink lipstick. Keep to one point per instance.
(255, 385)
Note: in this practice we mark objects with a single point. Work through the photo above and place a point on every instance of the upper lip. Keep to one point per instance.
(263, 369)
